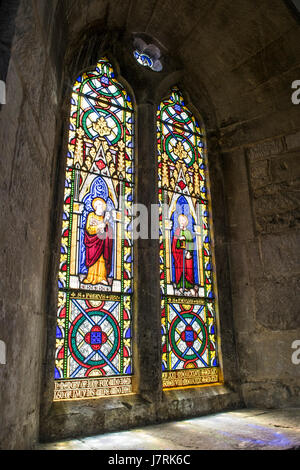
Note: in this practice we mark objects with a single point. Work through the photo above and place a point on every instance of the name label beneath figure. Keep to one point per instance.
(92, 388)
(190, 377)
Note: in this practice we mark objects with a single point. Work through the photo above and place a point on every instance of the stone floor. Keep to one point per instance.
(233, 430)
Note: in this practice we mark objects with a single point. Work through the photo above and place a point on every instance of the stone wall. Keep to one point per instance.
(27, 135)
(236, 61)
(264, 222)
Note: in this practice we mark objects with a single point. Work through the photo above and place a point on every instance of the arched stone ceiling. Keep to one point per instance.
(246, 53)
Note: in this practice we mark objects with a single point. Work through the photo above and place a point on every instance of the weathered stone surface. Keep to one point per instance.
(280, 255)
(45, 14)
(265, 149)
(277, 307)
(28, 52)
(285, 167)
(9, 122)
(48, 108)
(267, 357)
(237, 61)
(25, 211)
(260, 174)
(271, 394)
(8, 12)
(258, 429)
(293, 141)
(275, 185)
(278, 209)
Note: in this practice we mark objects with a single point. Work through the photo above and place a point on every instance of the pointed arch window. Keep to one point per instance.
(190, 355)
(93, 332)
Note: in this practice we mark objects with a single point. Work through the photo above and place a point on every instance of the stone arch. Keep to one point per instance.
(253, 132)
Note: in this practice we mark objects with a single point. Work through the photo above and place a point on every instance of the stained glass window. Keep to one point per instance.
(190, 355)
(93, 332)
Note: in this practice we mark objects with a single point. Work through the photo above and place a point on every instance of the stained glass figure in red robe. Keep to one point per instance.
(98, 240)
(182, 250)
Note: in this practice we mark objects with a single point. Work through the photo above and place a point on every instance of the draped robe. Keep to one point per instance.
(98, 250)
